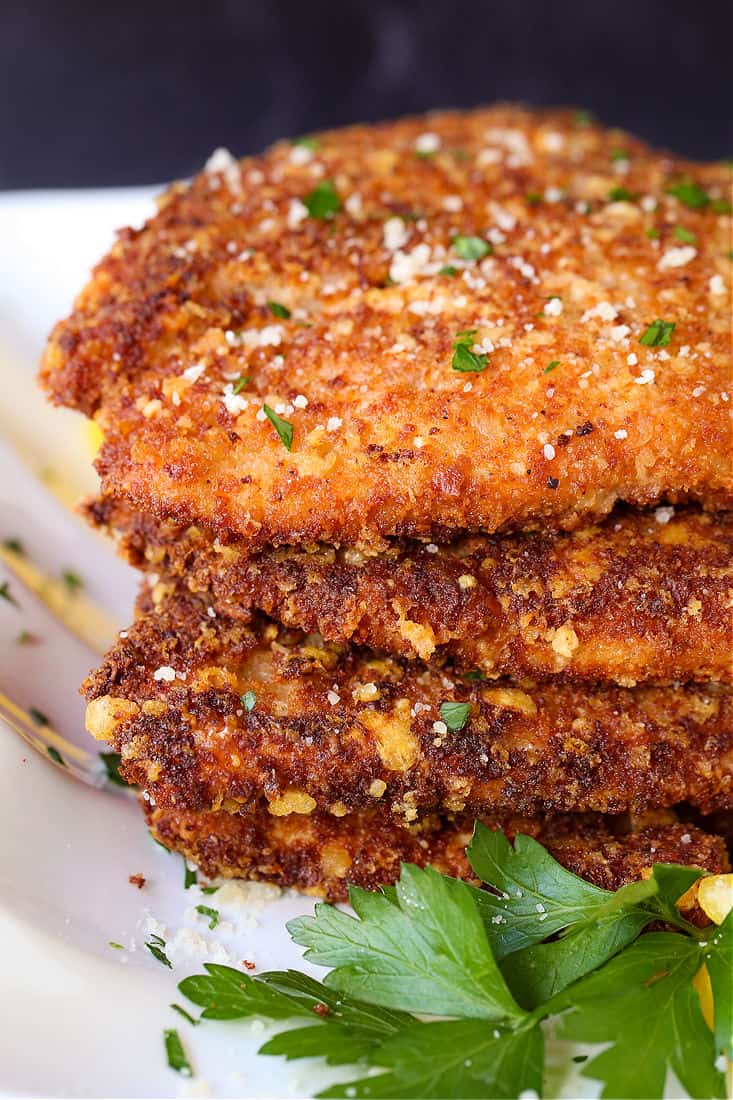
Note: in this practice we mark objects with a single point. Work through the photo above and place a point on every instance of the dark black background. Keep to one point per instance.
(109, 94)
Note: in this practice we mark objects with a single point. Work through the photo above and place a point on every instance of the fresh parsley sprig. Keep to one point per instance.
(539, 943)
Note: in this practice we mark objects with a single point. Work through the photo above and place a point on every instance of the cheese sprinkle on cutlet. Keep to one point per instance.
(464, 321)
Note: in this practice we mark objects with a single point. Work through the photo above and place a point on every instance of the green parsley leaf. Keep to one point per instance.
(658, 334)
(283, 428)
(155, 946)
(248, 700)
(455, 715)
(208, 889)
(685, 235)
(72, 580)
(112, 761)
(584, 118)
(689, 194)
(6, 594)
(620, 154)
(534, 198)
(38, 716)
(475, 674)
(212, 914)
(537, 896)
(55, 755)
(175, 1053)
(115, 946)
(190, 877)
(652, 233)
(279, 310)
(471, 248)
(323, 201)
(464, 359)
(15, 546)
(621, 194)
(382, 954)
(186, 1016)
(308, 141)
(721, 206)
(644, 1003)
(449, 270)
(240, 383)
(551, 366)
(226, 994)
(460, 1058)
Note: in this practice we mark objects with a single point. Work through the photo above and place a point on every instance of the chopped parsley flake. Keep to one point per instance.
(551, 366)
(721, 206)
(55, 755)
(115, 946)
(212, 914)
(685, 235)
(658, 334)
(621, 194)
(240, 383)
(471, 248)
(455, 715)
(308, 142)
(322, 202)
(15, 546)
(156, 947)
(112, 761)
(72, 580)
(464, 359)
(38, 717)
(584, 118)
(283, 428)
(476, 674)
(176, 1055)
(449, 270)
(190, 877)
(208, 889)
(249, 700)
(186, 1016)
(689, 194)
(279, 310)
(652, 233)
(533, 198)
(5, 593)
(620, 154)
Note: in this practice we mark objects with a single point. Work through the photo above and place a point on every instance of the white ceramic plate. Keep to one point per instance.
(80, 1018)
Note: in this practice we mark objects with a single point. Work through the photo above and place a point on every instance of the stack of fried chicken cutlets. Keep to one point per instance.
(419, 433)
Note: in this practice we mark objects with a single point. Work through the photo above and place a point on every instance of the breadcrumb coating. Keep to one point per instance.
(211, 713)
(640, 597)
(323, 855)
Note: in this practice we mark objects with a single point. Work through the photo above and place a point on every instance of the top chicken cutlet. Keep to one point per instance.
(470, 321)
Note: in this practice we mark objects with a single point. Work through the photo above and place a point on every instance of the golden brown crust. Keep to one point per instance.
(392, 441)
(323, 855)
(337, 728)
(638, 598)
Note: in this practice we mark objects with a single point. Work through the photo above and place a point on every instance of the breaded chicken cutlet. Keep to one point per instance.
(212, 713)
(461, 322)
(323, 855)
(641, 597)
